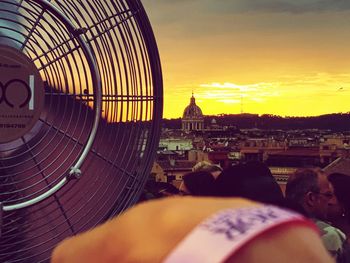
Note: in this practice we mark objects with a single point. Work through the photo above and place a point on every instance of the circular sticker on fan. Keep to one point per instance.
(21, 94)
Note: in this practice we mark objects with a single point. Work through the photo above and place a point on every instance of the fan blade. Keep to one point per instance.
(10, 24)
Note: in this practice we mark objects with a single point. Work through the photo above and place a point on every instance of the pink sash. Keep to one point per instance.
(221, 235)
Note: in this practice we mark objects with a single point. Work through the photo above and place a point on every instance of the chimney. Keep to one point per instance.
(172, 162)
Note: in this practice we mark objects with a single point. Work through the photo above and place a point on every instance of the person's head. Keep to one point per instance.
(251, 180)
(154, 190)
(166, 189)
(198, 183)
(204, 166)
(311, 189)
(341, 185)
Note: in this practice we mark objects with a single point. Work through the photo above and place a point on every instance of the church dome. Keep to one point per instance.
(192, 111)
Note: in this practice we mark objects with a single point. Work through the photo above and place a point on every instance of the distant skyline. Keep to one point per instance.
(283, 57)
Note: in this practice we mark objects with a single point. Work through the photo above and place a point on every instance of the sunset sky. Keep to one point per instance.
(284, 57)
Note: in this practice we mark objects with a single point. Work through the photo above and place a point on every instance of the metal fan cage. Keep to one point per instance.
(88, 156)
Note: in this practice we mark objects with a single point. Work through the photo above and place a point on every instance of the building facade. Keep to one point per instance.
(192, 119)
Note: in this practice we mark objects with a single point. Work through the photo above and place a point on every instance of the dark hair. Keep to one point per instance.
(154, 190)
(199, 183)
(301, 182)
(206, 167)
(212, 168)
(341, 185)
(163, 188)
(251, 180)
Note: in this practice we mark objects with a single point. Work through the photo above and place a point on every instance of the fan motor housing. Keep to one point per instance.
(21, 94)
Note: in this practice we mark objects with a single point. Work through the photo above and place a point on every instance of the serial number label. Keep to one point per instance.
(12, 126)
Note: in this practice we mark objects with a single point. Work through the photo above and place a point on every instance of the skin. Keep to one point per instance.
(336, 215)
(148, 232)
(183, 189)
(216, 174)
(318, 204)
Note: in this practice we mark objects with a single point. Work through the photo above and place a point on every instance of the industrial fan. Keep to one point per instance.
(80, 111)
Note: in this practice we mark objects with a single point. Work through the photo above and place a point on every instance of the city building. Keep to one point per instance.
(171, 171)
(340, 165)
(192, 119)
(227, 143)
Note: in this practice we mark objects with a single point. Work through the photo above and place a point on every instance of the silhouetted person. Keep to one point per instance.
(205, 166)
(198, 183)
(154, 190)
(311, 190)
(340, 215)
(251, 180)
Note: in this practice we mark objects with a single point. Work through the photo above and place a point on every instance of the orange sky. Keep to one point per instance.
(278, 57)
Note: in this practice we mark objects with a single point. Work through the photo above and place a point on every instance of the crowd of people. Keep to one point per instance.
(324, 199)
(316, 204)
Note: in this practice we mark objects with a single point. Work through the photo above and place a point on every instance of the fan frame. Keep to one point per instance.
(74, 172)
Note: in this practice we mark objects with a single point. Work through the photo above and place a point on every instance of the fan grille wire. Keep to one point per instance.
(119, 36)
(36, 168)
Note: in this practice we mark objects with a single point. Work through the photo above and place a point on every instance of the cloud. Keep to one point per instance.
(280, 6)
(231, 93)
(321, 85)
(229, 86)
(229, 101)
(228, 6)
(194, 19)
